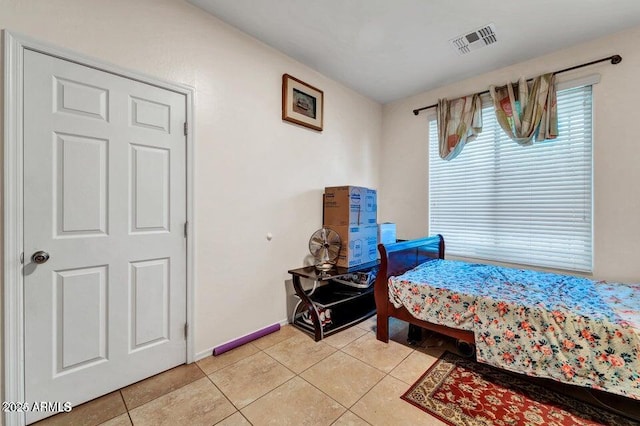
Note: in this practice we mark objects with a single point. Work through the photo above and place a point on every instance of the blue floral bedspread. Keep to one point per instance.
(562, 327)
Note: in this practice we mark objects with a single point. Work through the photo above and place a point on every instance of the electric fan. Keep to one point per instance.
(324, 246)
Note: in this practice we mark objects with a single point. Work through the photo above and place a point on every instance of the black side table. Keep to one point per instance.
(349, 305)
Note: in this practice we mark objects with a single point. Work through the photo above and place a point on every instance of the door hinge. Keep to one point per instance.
(186, 330)
(186, 128)
(186, 229)
(22, 258)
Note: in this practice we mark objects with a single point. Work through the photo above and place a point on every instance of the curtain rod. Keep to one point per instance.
(615, 59)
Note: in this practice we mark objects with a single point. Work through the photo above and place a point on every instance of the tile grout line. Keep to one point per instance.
(238, 409)
(186, 384)
(300, 377)
(349, 411)
(385, 374)
(372, 366)
(348, 408)
(110, 418)
(238, 412)
(124, 401)
(303, 379)
(381, 379)
(312, 365)
(245, 417)
(223, 394)
(374, 385)
(126, 408)
(267, 393)
(324, 393)
(159, 396)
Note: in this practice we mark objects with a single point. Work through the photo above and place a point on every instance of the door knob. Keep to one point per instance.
(40, 257)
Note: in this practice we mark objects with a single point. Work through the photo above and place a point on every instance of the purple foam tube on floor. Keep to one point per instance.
(245, 339)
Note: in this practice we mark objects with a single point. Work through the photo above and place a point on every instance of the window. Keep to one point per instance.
(522, 204)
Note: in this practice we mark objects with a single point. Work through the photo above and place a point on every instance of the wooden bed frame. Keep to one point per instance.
(400, 257)
(396, 259)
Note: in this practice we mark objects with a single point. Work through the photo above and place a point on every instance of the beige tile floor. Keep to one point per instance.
(284, 378)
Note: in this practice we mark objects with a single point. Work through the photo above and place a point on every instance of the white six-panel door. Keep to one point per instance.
(105, 197)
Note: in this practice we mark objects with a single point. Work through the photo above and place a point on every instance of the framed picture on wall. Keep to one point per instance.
(301, 103)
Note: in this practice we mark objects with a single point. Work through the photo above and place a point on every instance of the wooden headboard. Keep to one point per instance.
(398, 258)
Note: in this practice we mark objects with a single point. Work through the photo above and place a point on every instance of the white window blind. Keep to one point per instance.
(530, 205)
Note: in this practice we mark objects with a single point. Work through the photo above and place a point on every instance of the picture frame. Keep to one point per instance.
(302, 103)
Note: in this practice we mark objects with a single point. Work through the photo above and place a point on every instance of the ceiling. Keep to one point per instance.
(390, 49)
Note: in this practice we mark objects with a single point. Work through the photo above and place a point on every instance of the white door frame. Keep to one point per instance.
(13, 287)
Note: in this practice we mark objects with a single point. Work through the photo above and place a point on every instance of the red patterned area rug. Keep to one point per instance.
(462, 392)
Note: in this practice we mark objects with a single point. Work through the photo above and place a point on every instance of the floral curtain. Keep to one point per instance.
(459, 122)
(527, 110)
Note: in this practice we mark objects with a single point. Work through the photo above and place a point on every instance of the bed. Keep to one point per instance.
(569, 329)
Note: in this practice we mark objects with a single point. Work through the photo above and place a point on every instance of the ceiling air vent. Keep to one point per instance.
(474, 40)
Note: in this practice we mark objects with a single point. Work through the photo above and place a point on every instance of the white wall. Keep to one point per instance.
(254, 173)
(404, 174)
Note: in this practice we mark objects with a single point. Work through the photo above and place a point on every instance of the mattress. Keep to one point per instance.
(561, 327)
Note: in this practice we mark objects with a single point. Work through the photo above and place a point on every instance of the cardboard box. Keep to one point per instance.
(386, 233)
(350, 205)
(359, 244)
